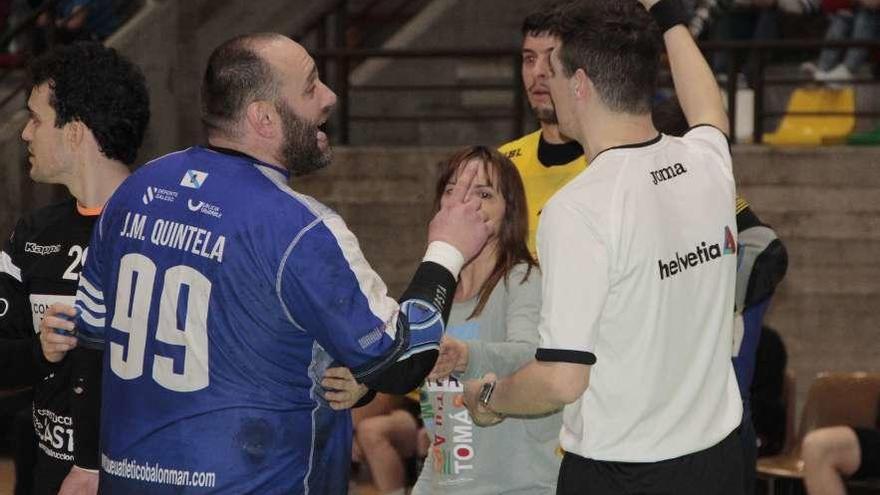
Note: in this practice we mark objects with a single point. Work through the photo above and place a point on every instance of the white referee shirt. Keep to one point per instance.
(639, 258)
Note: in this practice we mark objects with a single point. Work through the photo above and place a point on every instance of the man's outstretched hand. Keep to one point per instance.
(453, 358)
(460, 222)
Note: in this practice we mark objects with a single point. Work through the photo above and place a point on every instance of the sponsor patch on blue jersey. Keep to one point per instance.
(194, 179)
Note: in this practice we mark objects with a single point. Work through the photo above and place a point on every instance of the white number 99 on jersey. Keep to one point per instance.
(134, 291)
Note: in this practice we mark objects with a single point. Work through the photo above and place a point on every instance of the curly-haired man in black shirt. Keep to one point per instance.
(89, 109)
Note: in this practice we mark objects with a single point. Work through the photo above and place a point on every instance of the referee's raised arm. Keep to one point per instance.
(694, 81)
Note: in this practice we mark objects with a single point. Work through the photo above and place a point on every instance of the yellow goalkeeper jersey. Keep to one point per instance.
(544, 168)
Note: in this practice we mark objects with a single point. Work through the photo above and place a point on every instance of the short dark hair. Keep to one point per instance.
(546, 19)
(236, 76)
(617, 44)
(95, 85)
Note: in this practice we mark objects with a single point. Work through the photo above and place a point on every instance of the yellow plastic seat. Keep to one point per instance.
(816, 130)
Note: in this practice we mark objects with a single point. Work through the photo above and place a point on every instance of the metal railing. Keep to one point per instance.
(329, 29)
(26, 24)
(762, 51)
(125, 8)
(342, 61)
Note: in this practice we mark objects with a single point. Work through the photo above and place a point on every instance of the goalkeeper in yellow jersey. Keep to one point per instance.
(546, 159)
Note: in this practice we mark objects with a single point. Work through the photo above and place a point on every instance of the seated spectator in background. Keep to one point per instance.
(838, 452)
(853, 20)
(388, 433)
(703, 12)
(390, 439)
(74, 20)
(748, 20)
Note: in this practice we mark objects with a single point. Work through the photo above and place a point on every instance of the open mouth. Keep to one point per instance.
(321, 136)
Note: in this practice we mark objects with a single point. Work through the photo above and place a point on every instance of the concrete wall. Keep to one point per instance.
(384, 194)
(489, 24)
(171, 41)
(824, 203)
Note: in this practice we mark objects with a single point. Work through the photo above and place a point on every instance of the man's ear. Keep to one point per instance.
(262, 117)
(581, 85)
(74, 134)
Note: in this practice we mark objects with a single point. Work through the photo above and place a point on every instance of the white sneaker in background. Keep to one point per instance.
(835, 78)
(810, 69)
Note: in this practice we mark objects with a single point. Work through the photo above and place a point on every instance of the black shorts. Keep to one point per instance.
(415, 409)
(717, 470)
(869, 445)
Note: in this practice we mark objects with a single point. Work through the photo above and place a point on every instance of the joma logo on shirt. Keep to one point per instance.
(702, 253)
(667, 173)
(30, 247)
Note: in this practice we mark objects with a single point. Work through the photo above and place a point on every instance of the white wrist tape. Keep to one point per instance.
(445, 255)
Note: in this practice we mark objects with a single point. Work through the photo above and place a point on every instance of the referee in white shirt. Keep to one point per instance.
(639, 257)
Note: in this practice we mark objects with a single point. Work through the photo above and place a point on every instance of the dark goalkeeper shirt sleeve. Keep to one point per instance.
(20, 353)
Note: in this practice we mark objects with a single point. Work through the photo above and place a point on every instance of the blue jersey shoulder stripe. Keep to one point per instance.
(371, 286)
(280, 275)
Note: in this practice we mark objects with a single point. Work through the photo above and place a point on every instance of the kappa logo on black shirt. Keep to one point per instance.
(32, 247)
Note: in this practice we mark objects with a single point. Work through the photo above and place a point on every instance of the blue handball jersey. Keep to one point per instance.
(220, 296)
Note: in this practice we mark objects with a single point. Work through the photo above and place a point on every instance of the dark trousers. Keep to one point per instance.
(717, 470)
(750, 451)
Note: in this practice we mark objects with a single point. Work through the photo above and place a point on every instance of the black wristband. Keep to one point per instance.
(668, 14)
